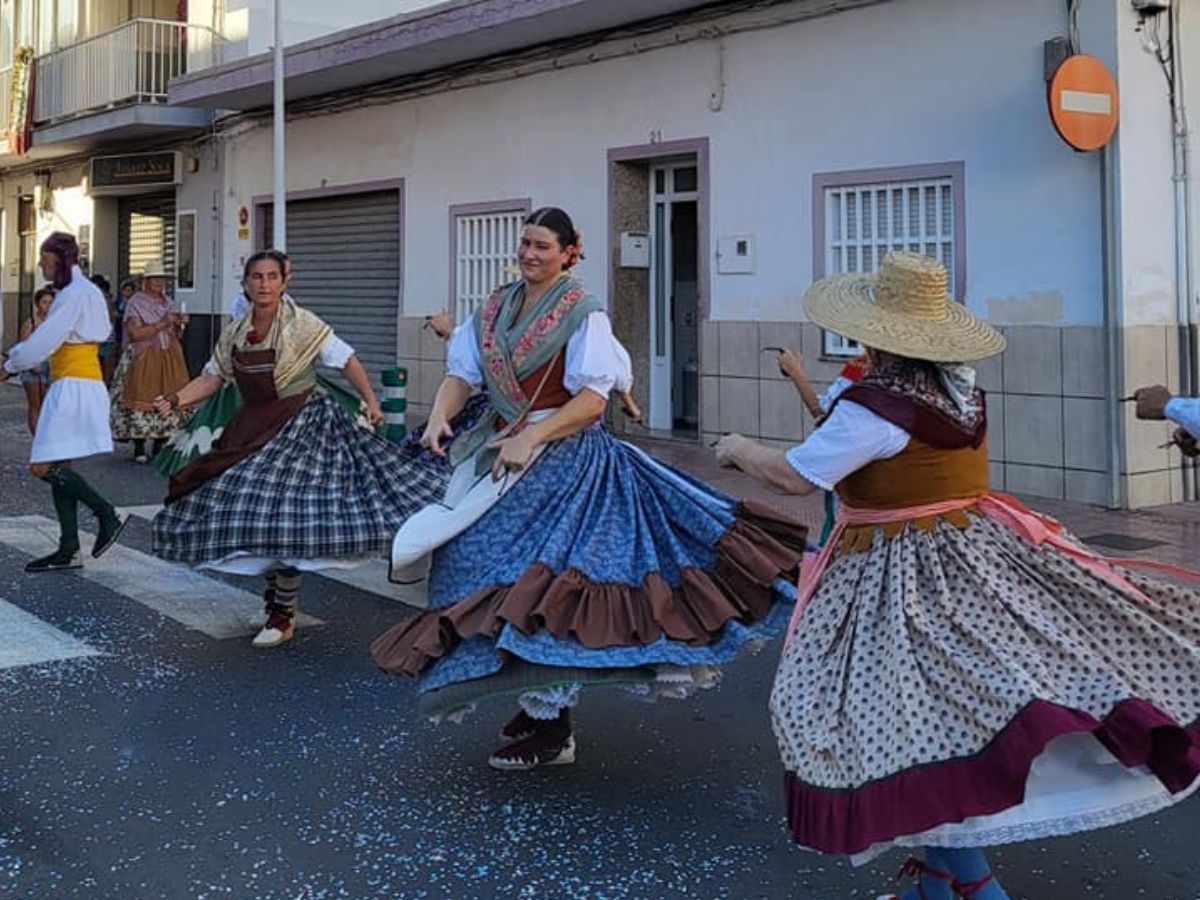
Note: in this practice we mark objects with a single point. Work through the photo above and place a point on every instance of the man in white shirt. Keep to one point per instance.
(74, 418)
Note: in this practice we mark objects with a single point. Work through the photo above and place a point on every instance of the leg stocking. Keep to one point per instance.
(66, 509)
(283, 585)
(86, 494)
(971, 873)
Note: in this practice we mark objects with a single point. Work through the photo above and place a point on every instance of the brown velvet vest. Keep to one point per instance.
(937, 465)
(918, 475)
(553, 394)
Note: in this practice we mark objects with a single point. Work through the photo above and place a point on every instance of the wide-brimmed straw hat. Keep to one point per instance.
(904, 309)
(155, 269)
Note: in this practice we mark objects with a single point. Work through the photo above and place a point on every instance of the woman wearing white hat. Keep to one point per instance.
(960, 671)
(152, 366)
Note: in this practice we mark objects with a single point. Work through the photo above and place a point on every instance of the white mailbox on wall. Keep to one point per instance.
(635, 250)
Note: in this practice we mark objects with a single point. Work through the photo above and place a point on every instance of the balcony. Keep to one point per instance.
(115, 84)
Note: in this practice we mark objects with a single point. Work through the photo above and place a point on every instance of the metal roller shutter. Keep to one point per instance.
(145, 232)
(346, 268)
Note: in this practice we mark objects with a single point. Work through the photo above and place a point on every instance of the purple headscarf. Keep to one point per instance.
(63, 246)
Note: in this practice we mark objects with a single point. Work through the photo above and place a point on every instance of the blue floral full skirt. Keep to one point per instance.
(601, 565)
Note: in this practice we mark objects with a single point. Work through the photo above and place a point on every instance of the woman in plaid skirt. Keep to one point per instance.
(562, 558)
(293, 483)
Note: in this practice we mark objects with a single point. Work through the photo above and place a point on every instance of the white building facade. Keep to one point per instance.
(717, 160)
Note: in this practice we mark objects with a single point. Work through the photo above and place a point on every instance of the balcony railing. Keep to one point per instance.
(132, 63)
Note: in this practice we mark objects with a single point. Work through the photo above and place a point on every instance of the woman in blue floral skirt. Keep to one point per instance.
(560, 557)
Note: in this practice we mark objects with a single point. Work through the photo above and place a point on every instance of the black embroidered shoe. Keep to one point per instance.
(57, 561)
(110, 529)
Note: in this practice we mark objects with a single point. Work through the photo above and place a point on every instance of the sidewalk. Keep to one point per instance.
(1166, 533)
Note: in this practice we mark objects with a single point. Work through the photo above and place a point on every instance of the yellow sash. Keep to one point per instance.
(76, 361)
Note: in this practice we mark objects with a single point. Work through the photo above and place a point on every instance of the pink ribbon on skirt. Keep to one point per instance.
(1008, 511)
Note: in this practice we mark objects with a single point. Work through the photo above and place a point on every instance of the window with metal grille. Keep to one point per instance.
(866, 215)
(483, 249)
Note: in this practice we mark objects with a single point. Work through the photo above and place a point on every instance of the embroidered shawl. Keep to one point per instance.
(148, 310)
(913, 395)
(296, 336)
(511, 349)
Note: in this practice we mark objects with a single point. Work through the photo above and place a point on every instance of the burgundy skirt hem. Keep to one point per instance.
(849, 821)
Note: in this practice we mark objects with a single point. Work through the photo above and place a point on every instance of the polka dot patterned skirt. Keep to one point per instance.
(963, 687)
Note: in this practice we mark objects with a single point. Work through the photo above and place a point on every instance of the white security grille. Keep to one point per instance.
(865, 222)
(485, 246)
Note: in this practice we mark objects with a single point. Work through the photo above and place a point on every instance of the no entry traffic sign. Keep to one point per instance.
(1083, 102)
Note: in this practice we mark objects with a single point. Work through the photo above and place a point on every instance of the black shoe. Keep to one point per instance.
(56, 561)
(110, 530)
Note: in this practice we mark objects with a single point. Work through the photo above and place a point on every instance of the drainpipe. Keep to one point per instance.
(279, 177)
(1184, 274)
(1114, 354)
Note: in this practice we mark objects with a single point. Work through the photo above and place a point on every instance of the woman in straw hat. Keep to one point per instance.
(960, 672)
(152, 365)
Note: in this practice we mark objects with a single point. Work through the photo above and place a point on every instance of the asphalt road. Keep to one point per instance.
(160, 762)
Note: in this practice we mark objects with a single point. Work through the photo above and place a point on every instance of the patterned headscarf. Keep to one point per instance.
(63, 246)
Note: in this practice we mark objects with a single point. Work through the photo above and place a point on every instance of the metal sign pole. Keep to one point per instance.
(279, 213)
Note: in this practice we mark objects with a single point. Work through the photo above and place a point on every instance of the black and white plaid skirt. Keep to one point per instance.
(323, 488)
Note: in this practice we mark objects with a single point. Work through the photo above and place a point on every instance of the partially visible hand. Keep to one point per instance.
(727, 450)
(441, 324)
(791, 364)
(515, 454)
(1185, 442)
(633, 412)
(162, 405)
(374, 412)
(436, 429)
(1152, 402)
(181, 319)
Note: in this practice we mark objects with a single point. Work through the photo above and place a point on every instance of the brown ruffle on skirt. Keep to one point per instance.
(759, 547)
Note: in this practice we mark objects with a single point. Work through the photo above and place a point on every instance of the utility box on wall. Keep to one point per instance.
(735, 254)
(635, 250)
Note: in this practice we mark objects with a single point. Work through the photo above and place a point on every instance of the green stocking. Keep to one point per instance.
(87, 495)
(67, 510)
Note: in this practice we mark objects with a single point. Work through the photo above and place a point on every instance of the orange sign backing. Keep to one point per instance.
(1083, 102)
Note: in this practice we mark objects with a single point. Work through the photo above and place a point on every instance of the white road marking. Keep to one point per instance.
(370, 576)
(28, 640)
(146, 511)
(196, 601)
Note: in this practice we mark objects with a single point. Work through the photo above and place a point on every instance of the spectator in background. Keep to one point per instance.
(127, 289)
(110, 350)
(152, 365)
(36, 380)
